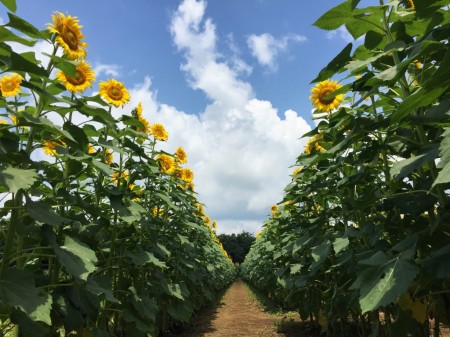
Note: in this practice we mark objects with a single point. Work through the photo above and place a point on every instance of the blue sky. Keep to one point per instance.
(229, 79)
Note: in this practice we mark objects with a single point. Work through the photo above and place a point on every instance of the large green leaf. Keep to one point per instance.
(389, 282)
(402, 168)
(23, 26)
(8, 36)
(77, 258)
(437, 263)
(18, 290)
(433, 88)
(337, 64)
(15, 179)
(43, 213)
(10, 4)
(335, 17)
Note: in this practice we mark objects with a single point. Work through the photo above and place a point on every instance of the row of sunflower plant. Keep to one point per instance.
(101, 232)
(360, 244)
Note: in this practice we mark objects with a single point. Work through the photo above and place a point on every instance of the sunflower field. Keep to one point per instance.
(360, 243)
(101, 232)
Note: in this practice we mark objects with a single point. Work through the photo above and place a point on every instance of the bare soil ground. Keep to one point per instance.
(237, 315)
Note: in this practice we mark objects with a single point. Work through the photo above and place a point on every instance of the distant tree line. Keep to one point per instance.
(237, 245)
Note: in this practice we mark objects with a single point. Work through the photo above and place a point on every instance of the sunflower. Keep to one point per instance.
(114, 92)
(108, 156)
(411, 4)
(214, 224)
(274, 209)
(180, 155)
(138, 111)
(314, 144)
(320, 93)
(68, 35)
(187, 175)
(146, 129)
(50, 146)
(159, 132)
(83, 78)
(91, 149)
(10, 85)
(296, 171)
(166, 163)
(115, 177)
(3, 122)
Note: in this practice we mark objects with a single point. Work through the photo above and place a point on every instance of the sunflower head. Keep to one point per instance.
(50, 146)
(137, 111)
(159, 131)
(91, 149)
(187, 175)
(166, 163)
(10, 85)
(296, 171)
(108, 156)
(313, 144)
(214, 224)
(114, 92)
(319, 96)
(274, 209)
(68, 35)
(180, 155)
(83, 78)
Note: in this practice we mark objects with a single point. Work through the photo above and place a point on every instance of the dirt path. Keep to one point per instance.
(237, 315)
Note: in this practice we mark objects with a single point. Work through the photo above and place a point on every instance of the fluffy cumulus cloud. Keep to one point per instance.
(239, 147)
(266, 48)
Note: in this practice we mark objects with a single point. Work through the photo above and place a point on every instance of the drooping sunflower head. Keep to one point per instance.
(83, 78)
(159, 131)
(50, 146)
(166, 163)
(319, 96)
(114, 92)
(181, 155)
(214, 224)
(411, 4)
(10, 85)
(68, 35)
(296, 171)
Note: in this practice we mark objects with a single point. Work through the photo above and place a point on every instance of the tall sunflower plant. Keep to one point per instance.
(360, 244)
(101, 231)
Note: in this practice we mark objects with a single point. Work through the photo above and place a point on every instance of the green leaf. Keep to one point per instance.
(7, 36)
(433, 88)
(143, 257)
(19, 291)
(340, 244)
(43, 213)
(295, 268)
(21, 63)
(78, 259)
(402, 168)
(10, 4)
(46, 124)
(387, 285)
(23, 26)
(180, 311)
(335, 17)
(373, 39)
(15, 179)
(320, 252)
(377, 259)
(437, 263)
(336, 65)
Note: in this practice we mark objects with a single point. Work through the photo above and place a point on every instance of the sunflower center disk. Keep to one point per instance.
(8, 86)
(70, 38)
(78, 79)
(323, 95)
(115, 93)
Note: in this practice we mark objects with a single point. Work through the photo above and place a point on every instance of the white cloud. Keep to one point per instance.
(265, 48)
(342, 33)
(110, 70)
(239, 147)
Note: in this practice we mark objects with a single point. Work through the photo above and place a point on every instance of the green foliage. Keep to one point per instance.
(364, 224)
(237, 245)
